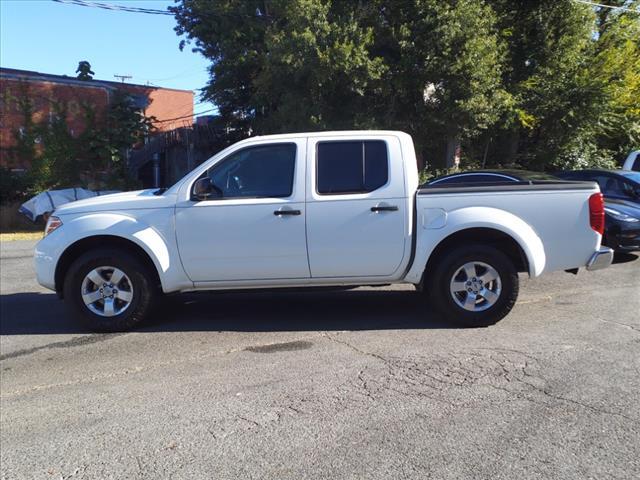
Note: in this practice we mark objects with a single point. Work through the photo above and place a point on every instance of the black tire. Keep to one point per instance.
(144, 290)
(439, 278)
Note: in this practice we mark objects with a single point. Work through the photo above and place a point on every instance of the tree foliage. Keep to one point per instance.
(543, 83)
(105, 144)
(97, 156)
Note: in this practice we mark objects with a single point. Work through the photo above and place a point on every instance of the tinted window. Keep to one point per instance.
(479, 178)
(351, 167)
(612, 186)
(605, 183)
(621, 188)
(376, 169)
(262, 171)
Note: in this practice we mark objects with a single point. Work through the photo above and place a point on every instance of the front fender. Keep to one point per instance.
(153, 234)
(436, 225)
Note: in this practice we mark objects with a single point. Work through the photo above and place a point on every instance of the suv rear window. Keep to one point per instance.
(351, 166)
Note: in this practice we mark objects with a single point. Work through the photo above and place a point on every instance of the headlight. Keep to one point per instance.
(620, 216)
(52, 224)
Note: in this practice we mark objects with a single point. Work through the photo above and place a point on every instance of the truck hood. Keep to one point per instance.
(119, 201)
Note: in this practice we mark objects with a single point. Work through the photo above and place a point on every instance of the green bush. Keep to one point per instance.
(13, 186)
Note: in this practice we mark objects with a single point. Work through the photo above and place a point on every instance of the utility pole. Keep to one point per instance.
(123, 77)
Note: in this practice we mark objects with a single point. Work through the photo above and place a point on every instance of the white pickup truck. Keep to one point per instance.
(318, 209)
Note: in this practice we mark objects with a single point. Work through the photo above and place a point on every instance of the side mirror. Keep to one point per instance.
(204, 189)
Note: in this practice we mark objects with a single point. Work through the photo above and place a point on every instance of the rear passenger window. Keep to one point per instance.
(351, 166)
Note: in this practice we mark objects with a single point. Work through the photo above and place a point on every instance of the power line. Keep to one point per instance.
(123, 8)
(613, 7)
(110, 6)
(185, 116)
(190, 108)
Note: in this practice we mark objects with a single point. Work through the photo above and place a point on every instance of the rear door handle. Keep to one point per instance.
(384, 208)
(286, 212)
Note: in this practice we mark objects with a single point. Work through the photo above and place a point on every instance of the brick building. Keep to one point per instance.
(44, 90)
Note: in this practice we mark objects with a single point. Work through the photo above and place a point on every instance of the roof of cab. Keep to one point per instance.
(333, 133)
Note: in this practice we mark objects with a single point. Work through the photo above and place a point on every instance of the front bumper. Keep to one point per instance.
(600, 259)
(45, 259)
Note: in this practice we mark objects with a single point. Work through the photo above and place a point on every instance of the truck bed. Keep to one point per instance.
(532, 185)
(557, 213)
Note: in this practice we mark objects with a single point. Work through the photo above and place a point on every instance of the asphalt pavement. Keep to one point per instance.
(355, 384)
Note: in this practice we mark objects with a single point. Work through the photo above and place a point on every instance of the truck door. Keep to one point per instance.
(253, 226)
(356, 207)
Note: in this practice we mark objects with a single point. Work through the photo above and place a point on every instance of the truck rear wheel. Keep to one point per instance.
(474, 286)
(109, 290)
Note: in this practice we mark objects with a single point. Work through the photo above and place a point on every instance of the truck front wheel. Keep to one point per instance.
(109, 290)
(474, 286)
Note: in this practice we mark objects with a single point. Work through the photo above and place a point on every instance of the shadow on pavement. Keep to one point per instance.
(39, 313)
(624, 257)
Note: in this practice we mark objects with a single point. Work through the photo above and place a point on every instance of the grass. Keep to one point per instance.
(13, 236)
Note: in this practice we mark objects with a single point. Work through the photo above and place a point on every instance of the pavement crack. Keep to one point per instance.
(624, 325)
(127, 371)
(248, 420)
(549, 394)
(525, 377)
(356, 349)
(75, 472)
(509, 350)
(74, 342)
(450, 378)
(545, 298)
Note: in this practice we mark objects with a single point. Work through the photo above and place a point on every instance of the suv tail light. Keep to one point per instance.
(596, 212)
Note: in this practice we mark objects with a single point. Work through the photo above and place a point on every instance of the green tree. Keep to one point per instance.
(269, 56)
(549, 45)
(442, 81)
(570, 71)
(616, 67)
(543, 84)
(26, 136)
(125, 126)
(56, 165)
(98, 155)
(429, 67)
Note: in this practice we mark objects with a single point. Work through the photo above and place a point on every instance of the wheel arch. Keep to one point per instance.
(439, 229)
(83, 245)
(486, 236)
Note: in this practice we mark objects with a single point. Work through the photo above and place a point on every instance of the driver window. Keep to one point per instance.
(256, 172)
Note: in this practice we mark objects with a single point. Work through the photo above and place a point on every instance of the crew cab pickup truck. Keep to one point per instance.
(323, 209)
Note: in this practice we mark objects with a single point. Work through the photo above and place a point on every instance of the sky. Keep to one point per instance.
(51, 37)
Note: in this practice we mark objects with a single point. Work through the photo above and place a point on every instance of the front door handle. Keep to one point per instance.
(286, 212)
(384, 208)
